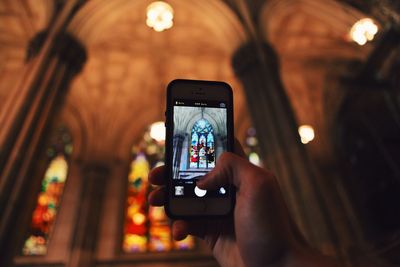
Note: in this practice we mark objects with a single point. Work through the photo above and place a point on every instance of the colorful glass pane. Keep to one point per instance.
(136, 228)
(202, 152)
(51, 190)
(47, 206)
(160, 232)
(160, 238)
(147, 228)
(202, 148)
(210, 151)
(185, 244)
(193, 151)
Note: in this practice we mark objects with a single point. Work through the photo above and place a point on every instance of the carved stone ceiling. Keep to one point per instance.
(312, 41)
(122, 87)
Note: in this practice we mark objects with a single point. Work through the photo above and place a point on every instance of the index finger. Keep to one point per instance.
(227, 171)
(157, 176)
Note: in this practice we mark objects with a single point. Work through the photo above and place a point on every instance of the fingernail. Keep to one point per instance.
(200, 184)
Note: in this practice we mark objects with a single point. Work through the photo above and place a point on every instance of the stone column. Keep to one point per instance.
(54, 58)
(177, 143)
(257, 68)
(95, 177)
(62, 235)
(185, 153)
(110, 232)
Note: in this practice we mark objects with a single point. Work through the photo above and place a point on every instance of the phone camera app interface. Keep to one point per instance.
(199, 138)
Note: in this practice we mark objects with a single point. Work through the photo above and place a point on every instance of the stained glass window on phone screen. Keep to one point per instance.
(199, 138)
(202, 147)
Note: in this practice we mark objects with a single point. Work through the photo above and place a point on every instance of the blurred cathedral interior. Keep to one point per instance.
(82, 99)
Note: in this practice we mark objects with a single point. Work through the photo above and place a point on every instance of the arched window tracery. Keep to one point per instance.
(202, 149)
(50, 195)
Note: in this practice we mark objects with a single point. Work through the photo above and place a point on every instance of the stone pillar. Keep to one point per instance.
(110, 232)
(54, 58)
(62, 235)
(95, 177)
(257, 68)
(185, 154)
(177, 143)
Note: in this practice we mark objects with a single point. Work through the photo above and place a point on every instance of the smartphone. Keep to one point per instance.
(199, 128)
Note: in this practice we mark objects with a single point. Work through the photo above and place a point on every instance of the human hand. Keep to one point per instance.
(258, 233)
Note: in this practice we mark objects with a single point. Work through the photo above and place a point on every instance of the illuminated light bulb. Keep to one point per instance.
(159, 16)
(363, 31)
(157, 131)
(306, 133)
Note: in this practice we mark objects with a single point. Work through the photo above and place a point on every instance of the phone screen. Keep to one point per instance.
(199, 138)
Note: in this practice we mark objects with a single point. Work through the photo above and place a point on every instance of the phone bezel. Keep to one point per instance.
(198, 90)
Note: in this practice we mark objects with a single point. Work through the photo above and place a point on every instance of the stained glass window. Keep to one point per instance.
(48, 201)
(136, 227)
(146, 228)
(202, 154)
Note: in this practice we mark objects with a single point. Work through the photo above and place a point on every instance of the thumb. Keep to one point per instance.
(226, 172)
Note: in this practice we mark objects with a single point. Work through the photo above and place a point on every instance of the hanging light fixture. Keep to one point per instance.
(159, 16)
(306, 133)
(363, 31)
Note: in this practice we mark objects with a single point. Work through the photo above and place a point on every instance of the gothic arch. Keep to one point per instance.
(284, 21)
(118, 88)
(212, 120)
(97, 17)
(133, 129)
